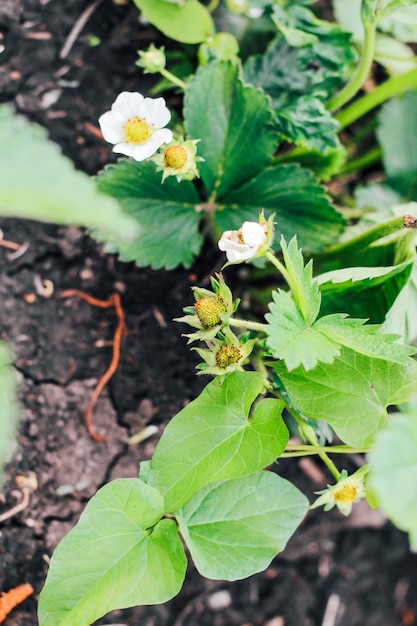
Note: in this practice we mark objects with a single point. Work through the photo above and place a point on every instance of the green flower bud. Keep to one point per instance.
(151, 60)
(227, 355)
(209, 309)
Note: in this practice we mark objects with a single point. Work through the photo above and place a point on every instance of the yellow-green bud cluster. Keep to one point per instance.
(209, 309)
(227, 355)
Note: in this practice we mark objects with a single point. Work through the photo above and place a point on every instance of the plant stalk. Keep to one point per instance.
(362, 71)
(392, 87)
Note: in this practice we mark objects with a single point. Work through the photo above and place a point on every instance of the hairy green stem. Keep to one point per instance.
(389, 89)
(173, 79)
(370, 236)
(247, 324)
(362, 71)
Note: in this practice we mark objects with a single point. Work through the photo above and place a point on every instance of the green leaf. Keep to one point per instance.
(120, 554)
(393, 470)
(189, 23)
(352, 394)
(299, 80)
(9, 410)
(213, 439)
(308, 123)
(364, 291)
(289, 337)
(37, 182)
(399, 145)
(296, 335)
(300, 204)
(234, 123)
(166, 214)
(235, 528)
(382, 257)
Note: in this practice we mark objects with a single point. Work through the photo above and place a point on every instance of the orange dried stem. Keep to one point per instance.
(114, 300)
(11, 245)
(10, 599)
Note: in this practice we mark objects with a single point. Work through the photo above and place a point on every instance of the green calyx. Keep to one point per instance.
(209, 309)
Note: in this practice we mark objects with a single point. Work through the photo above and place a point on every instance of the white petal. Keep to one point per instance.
(128, 149)
(253, 234)
(129, 104)
(157, 112)
(111, 126)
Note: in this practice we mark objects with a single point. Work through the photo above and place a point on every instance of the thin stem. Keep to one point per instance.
(310, 435)
(360, 162)
(362, 241)
(247, 324)
(277, 263)
(389, 89)
(362, 71)
(173, 79)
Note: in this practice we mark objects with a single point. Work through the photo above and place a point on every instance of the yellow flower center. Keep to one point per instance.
(176, 157)
(137, 130)
(345, 493)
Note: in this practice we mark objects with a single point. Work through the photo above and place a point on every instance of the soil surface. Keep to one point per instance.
(335, 571)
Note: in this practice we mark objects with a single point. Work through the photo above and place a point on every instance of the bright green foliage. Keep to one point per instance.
(299, 204)
(393, 465)
(399, 143)
(188, 23)
(37, 182)
(352, 394)
(9, 410)
(382, 264)
(234, 529)
(119, 554)
(165, 213)
(296, 335)
(234, 123)
(214, 439)
(298, 79)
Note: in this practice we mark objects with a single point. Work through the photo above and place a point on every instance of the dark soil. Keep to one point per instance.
(335, 571)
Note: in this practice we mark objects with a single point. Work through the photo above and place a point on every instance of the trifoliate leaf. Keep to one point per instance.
(235, 528)
(166, 214)
(234, 123)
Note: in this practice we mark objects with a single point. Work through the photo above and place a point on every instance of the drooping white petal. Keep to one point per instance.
(236, 251)
(111, 124)
(253, 234)
(129, 104)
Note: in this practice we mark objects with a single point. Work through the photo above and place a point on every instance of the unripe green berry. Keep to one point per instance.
(209, 309)
(227, 355)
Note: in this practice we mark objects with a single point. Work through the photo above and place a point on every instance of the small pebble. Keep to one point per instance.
(219, 600)
(276, 621)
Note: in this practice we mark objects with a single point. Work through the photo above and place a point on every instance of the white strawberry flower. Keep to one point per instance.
(135, 125)
(246, 243)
